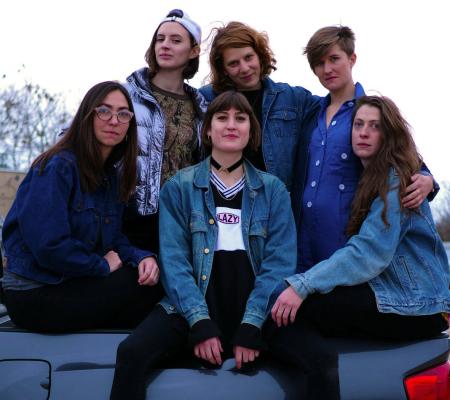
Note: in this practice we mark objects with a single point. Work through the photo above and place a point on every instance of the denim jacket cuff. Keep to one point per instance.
(298, 283)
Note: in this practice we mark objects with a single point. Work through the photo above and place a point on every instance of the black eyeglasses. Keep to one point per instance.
(105, 114)
(175, 13)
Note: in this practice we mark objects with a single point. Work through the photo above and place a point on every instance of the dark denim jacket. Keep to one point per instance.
(188, 234)
(55, 231)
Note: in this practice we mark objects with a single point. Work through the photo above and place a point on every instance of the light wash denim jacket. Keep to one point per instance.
(288, 118)
(405, 264)
(188, 235)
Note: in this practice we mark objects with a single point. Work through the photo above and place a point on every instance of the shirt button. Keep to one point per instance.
(350, 103)
(344, 156)
(211, 221)
(317, 163)
(309, 204)
(171, 308)
(313, 183)
(341, 186)
(206, 251)
(322, 142)
(203, 278)
(333, 123)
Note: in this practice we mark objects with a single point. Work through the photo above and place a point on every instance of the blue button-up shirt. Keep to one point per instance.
(332, 178)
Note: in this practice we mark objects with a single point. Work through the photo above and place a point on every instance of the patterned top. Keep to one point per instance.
(180, 141)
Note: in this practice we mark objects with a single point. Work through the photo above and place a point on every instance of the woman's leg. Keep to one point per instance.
(302, 345)
(115, 301)
(158, 337)
(352, 311)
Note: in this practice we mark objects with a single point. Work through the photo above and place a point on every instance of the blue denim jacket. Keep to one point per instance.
(188, 234)
(405, 264)
(287, 113)
(54, 231)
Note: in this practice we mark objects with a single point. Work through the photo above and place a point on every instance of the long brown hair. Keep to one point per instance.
(224, 102)
(80, 139)
(397, 151)
(237, 35)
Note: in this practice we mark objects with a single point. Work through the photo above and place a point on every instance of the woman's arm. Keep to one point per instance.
(365, 255)
(278, 259)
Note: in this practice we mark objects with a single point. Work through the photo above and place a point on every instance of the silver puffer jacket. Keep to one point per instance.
(151, 132)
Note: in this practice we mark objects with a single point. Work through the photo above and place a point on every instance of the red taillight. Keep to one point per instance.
(431, 384)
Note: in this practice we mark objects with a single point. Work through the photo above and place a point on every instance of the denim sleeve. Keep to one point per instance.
(279, 256)
(177, 274)
(309, 103)
(425, 171)
(43, 218)
(364, 256)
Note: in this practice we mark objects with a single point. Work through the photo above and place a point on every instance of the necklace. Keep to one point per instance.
(229, 169)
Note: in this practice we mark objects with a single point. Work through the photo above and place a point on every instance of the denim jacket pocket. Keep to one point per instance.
(197, 227)
(403, 273)
(257, 240)
(84, 220)
(283, 122)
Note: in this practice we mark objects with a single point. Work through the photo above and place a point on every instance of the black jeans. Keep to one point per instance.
(352, 311)
(115, 301)
(160, 336)
(349, 311)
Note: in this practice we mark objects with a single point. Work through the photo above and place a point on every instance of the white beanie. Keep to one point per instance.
(182, 18)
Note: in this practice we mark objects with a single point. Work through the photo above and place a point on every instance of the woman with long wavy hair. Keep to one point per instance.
(68, 266)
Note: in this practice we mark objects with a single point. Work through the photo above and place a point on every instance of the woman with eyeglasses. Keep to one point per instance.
(227, 241)
(168, 114)
(68, 266)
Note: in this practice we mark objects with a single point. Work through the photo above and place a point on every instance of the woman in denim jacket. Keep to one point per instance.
(68, 265)
(392, 278)
(227, 241)
(241, 59)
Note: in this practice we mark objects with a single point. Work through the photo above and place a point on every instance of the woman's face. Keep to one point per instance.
(243, 67)
(335, 69)
(173, 48)
(366, 133)
(110, 133)
(229, 131)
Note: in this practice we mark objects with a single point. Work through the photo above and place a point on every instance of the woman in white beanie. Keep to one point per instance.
(168, 114)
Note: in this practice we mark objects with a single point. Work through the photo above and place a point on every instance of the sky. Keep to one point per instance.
(402, 48)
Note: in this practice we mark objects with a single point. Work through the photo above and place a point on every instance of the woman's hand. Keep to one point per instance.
(286, 307)
(148, 272)
(209, 350)
(244, 355)
(113, 260)
(417, 191)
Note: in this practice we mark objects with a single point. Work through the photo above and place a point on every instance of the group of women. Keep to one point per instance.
(149, 181)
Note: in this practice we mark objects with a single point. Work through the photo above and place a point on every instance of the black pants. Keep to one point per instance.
(115, 301)
(141, 231)
(303, 345)
(352, 311)
(160, 336)
(349, 311)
